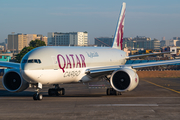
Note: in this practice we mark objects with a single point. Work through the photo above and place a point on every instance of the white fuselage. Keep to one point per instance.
(67, 64)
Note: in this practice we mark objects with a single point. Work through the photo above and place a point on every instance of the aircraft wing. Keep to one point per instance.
(10, 65)
(150, 64)
(102, 69)
(150, 54)
(108, 69)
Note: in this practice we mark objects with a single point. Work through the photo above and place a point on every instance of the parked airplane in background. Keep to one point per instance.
(56, 65)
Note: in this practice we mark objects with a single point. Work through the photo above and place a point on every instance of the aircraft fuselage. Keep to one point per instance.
(55, 64)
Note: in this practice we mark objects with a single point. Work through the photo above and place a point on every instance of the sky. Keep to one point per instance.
(150, 18)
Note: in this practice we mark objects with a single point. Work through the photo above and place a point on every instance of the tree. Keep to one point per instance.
(36, 43)
(33, 44)
(22, 53)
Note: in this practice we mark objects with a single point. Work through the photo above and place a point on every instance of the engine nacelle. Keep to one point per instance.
(13, 82)
(124, 80)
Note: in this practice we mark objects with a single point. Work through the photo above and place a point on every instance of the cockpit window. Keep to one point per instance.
(39, 60)
(36, 61)
(30, 61)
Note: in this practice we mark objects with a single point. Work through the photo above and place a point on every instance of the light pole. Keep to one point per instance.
(13, 42)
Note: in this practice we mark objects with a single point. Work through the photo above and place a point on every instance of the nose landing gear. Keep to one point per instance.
(37, 95)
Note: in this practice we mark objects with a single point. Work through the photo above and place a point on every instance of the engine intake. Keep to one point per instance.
(13, 82)
(124, 79)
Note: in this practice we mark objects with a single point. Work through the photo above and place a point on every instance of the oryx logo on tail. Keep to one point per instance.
(118, 37)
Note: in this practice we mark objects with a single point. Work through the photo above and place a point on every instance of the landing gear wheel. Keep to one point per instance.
(51, 92)
(63, 91)
(37, 96)
(111, 91)
(60, 91)
(56, 92)
(108, 91)
(118, 93)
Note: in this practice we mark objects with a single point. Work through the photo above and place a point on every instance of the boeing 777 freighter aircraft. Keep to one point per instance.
(56, 65)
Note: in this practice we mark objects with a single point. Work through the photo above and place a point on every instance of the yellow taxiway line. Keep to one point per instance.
(163, 87)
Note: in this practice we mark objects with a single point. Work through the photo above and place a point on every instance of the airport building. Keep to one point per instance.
(66, 39)
(104, 41)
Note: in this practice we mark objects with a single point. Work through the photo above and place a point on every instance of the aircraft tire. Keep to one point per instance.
(108, 91)
(50, 92)
(111, 91)
(58, 92)
(39, 96)
(63, 91)
(118, 93)
(53, 92)
(35, 96)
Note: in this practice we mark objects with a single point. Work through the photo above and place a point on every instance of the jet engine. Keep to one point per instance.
(13, 82)
(124, 79)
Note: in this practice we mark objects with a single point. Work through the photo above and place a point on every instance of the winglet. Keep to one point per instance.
(118, 37)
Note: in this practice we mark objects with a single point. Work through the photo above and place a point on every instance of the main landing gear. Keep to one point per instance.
(111, 91)
(57, 91)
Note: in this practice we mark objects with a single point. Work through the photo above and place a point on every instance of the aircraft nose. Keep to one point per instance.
(22, 66)
(27, 66)
(25, 72)
(28, 75)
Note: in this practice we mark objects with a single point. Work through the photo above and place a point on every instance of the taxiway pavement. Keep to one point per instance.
(153, 99)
